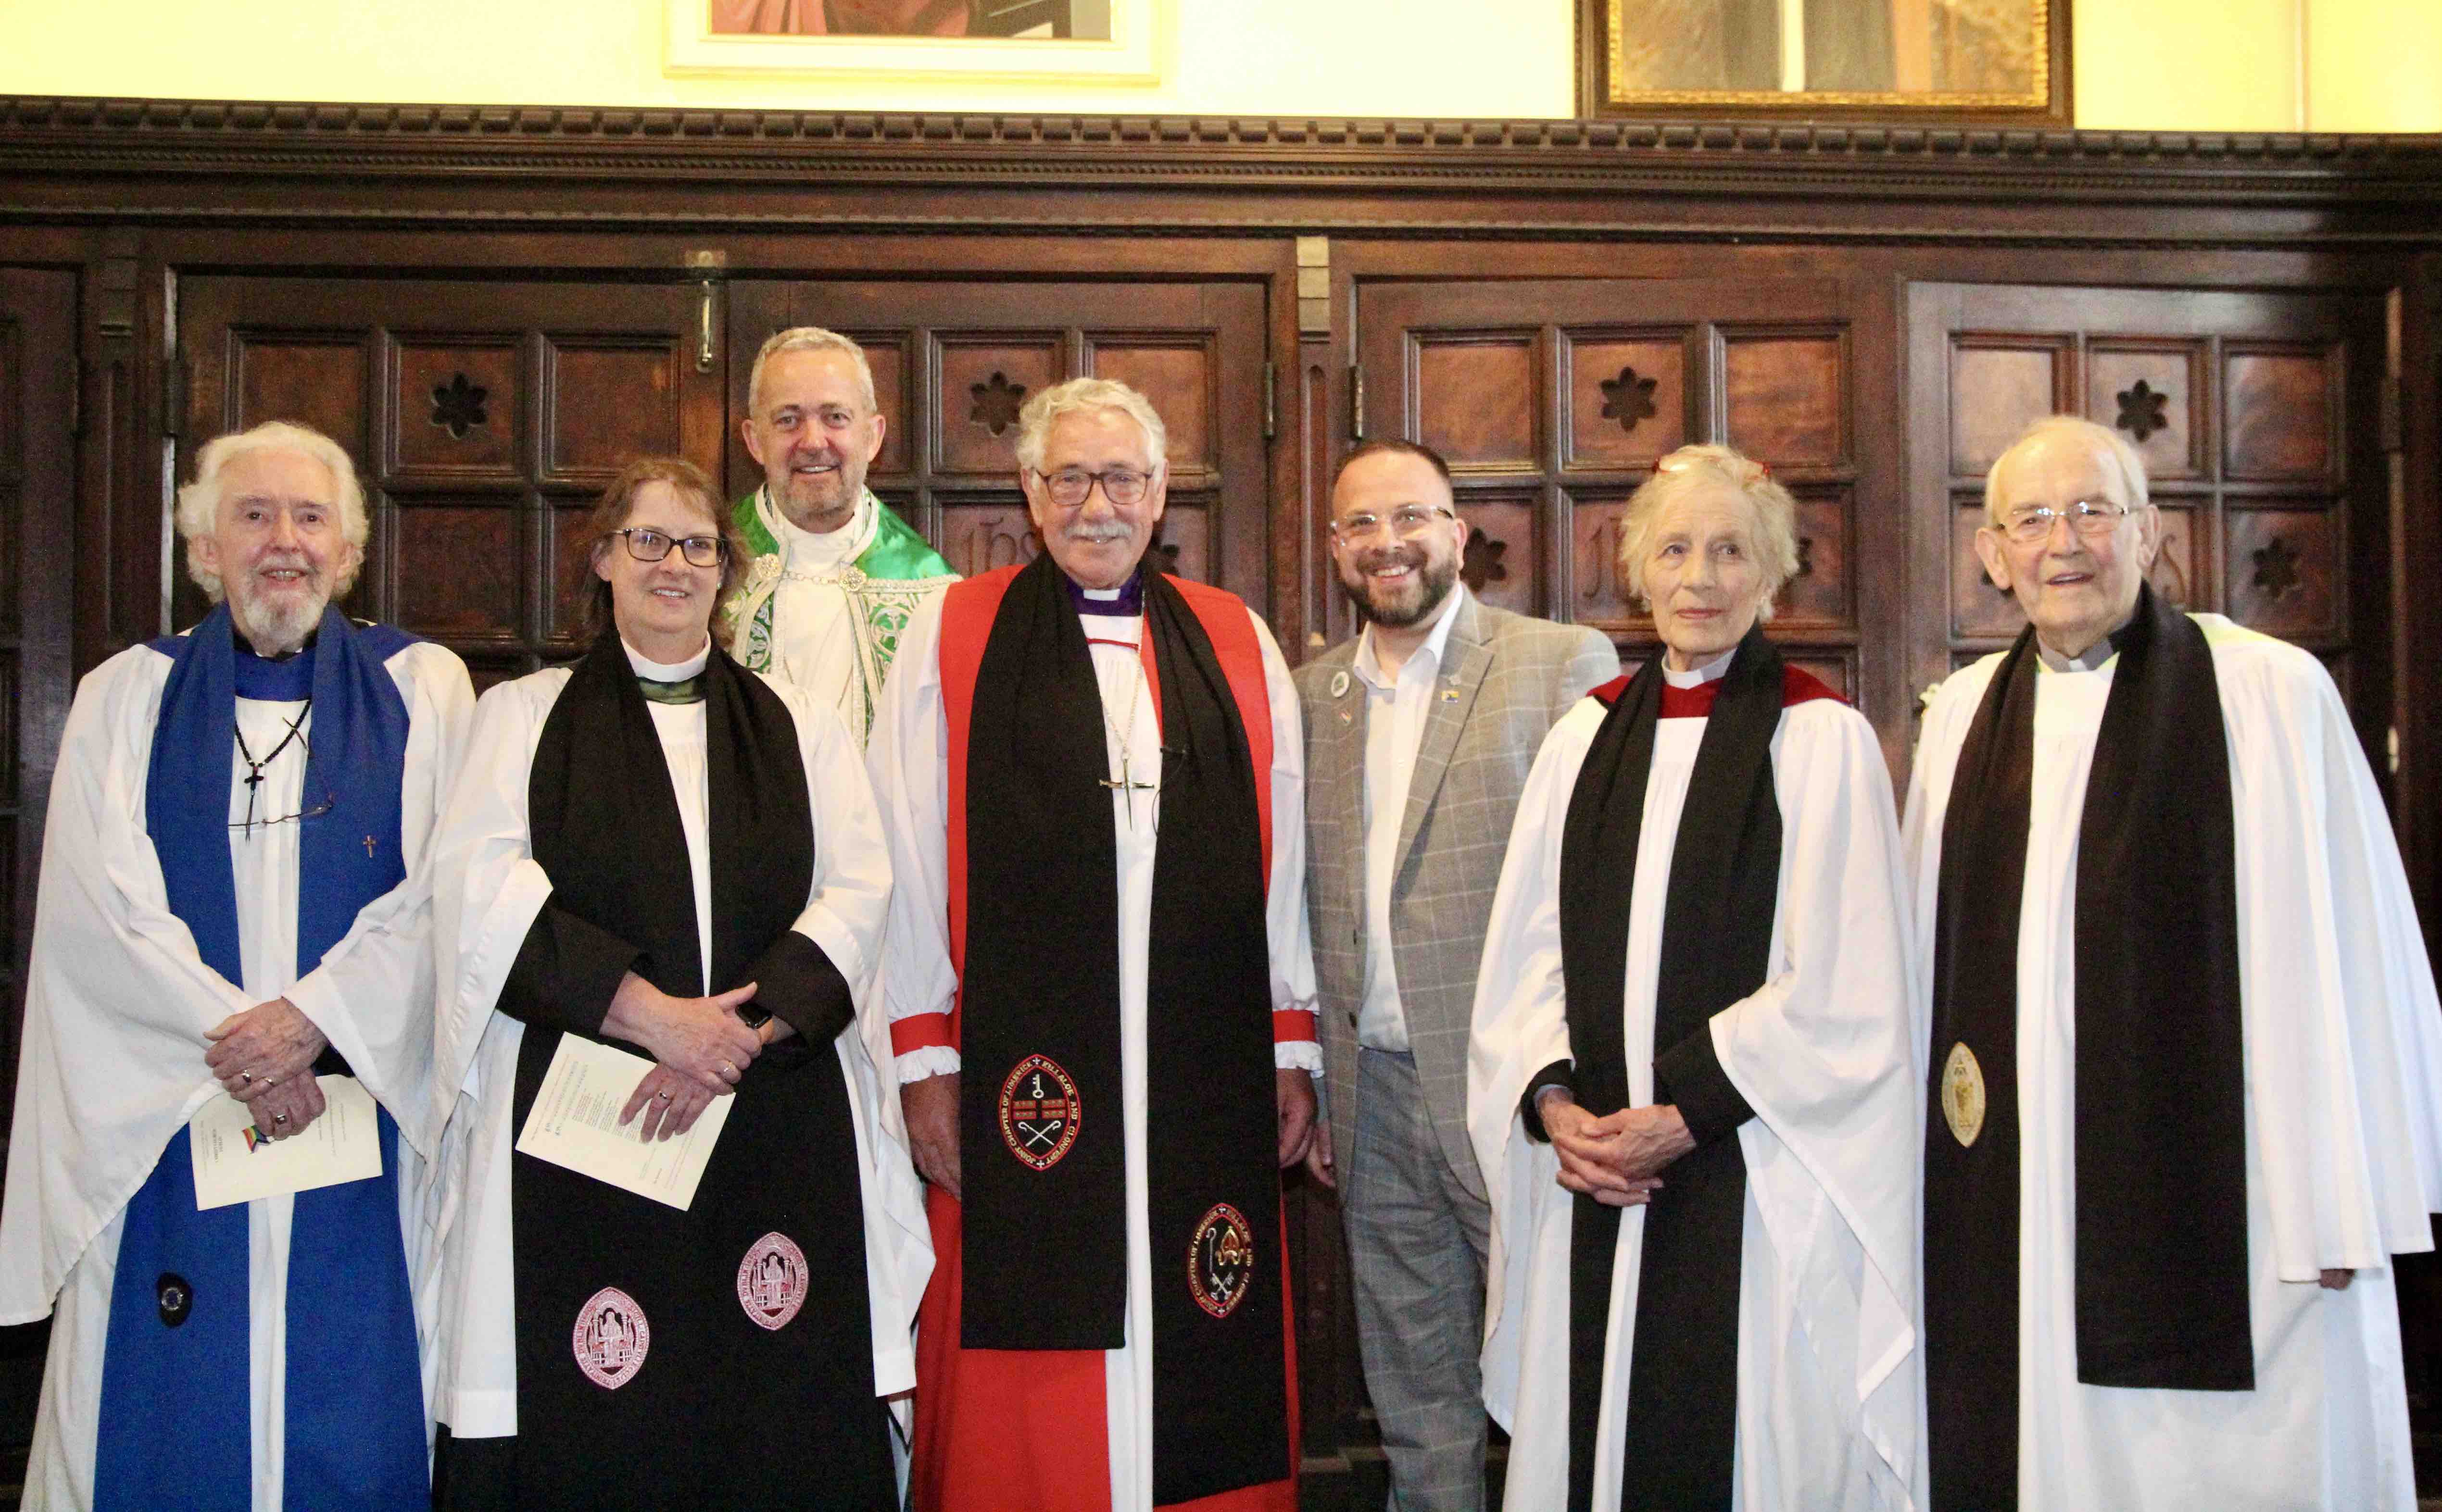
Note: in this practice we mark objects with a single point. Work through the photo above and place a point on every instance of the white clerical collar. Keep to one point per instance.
(804, 548)
(1701, 673)
(666, 671)
(2092, 660)
(1369, 664)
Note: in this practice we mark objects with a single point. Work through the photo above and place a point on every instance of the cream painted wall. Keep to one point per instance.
(2164, 64)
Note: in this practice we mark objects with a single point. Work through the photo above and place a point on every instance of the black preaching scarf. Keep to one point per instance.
(2161, 1080)
(605, 827)
(1048, 1248)
(1716, 945)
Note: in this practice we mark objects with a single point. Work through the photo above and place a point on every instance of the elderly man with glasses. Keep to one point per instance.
(1092, 778)
(231, 950)
(2185, 1055)
(1420, 732)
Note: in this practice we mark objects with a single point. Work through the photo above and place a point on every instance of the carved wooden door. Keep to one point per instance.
(38, 375)
(2256, 414)
(484, 418)
(954, 359)
(1552, 399)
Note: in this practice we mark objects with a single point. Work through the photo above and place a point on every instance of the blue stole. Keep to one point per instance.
(176, 1423)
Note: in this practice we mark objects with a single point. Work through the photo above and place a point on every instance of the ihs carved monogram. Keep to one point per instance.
(1628, 400)
(458, 406)
(1481, 563)
(2142, 411)
(2276, 567)
(996, 403)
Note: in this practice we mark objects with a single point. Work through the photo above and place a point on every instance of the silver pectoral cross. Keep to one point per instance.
(1126, 782)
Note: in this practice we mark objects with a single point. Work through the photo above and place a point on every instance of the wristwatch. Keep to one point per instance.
(752, 1017)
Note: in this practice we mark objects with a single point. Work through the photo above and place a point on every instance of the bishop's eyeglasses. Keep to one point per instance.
(2087, 517)
(1121, 485)
(651, 546)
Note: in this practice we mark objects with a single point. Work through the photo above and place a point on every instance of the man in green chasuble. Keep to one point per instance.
(836, 573)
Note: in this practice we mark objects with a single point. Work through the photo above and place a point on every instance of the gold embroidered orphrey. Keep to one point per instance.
(1962, 1094)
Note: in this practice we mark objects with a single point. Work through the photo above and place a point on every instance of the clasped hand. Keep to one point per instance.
(700, 1048)
(265, 1057)
(1617, 1159)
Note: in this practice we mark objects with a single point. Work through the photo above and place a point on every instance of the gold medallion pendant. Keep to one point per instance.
(1962, 1094)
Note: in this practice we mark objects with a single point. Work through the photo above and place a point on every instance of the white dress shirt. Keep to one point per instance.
(1395, 712)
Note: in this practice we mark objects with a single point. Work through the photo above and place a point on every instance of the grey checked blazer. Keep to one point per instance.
(1504, 681)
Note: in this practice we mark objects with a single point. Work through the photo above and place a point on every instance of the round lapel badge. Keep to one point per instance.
(1962, 1094)
(1221, 1259)
(612, 1338)
(772, 1281)
(1040, 1112)
(1339, 684)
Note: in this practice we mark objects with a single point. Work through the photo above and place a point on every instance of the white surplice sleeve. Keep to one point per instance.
(1520, 1026)
(373, 989)
(116, 997)
(908, 756)
(1285, 918)
(2343, 1034)
(1824, 1052)
(846, 916)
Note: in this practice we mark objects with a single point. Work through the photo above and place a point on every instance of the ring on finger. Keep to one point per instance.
(279, 1118)
(664, 1096)
(248, 1077)
(729, 1067)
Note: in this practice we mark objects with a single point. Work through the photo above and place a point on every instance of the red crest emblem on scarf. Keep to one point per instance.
(611, 1337)
(1040, 1112)
(1221, 1259)
(772, 1281)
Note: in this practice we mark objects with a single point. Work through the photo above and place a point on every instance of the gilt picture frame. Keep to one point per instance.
(1928, 62)
(1090, 43)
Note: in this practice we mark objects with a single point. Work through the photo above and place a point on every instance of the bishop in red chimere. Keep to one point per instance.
(1099, 998)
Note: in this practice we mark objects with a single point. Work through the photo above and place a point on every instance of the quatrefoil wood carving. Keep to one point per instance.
(458, 406)
(2276, 567)
(1481, 563)
(2142, 411)
(1628, 400)
(996, 403)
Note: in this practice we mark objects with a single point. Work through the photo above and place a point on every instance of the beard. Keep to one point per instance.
(276, 626)
(819, 501)
(1431, 585)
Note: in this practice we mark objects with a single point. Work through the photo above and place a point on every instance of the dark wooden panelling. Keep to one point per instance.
(1545, 456)
(983, 382)
(500, 410)
(1629, 401)
(1475, 400)
(1785, 397)
(2252, 403)
(2281, 414)
(2001, 383)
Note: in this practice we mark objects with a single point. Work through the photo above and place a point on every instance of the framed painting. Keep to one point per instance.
(1089, 42)
(1986, 62)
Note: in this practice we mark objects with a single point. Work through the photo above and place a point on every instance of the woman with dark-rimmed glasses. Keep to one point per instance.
(658, 850)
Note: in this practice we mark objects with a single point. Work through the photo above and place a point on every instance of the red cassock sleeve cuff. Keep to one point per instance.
(918, 1032)
(1291, 1025)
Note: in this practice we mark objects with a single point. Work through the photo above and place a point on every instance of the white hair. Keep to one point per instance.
(2105, 440)
(1034, 422)
(809, 338)
(1691, 468)
(199, 502)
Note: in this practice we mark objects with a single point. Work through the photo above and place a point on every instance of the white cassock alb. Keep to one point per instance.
(909, 756)
(1830, 1376)
(491, 888)
(116, 1003)
(2343, 1056)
